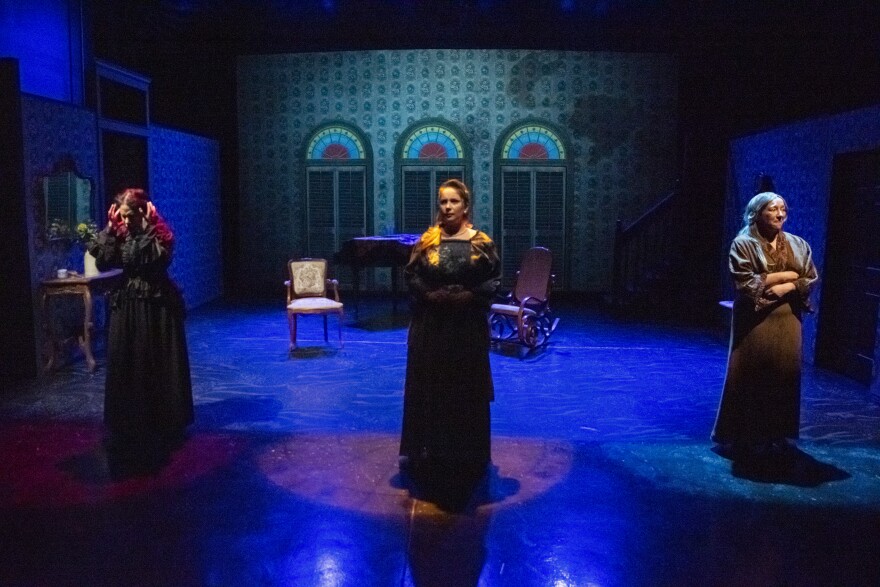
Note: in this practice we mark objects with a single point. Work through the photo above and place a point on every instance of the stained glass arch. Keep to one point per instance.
(335, 143)
(432, 143)
(533, 142)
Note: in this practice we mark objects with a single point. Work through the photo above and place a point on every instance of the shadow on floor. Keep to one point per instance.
(790, 466)
(453, 489)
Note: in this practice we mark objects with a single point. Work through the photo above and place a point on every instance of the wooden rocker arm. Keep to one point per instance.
(522, 307)
(334, 285)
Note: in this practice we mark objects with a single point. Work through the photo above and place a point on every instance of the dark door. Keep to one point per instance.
(124, 163)
(848, 319)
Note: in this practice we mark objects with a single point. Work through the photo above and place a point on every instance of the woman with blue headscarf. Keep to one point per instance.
(773, 272)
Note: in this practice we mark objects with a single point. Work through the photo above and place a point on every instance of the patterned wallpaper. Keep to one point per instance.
(55, 135)
(617, 113)
(799, 157)
(185, 183)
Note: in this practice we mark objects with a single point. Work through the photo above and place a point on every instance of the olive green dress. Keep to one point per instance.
(761, 398)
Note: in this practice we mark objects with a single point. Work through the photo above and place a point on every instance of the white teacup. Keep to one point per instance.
(62, 274)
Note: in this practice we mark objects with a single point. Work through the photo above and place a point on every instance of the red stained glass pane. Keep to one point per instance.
(335, 151)
(432, 151)
(533, 151)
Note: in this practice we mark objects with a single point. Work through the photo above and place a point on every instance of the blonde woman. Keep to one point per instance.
(452, 276)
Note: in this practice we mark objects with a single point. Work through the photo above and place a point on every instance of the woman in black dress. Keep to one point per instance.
(148, 395)
(452, 276)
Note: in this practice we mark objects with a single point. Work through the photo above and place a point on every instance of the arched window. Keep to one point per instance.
(338, 207)
(531, 209)
(429, 154)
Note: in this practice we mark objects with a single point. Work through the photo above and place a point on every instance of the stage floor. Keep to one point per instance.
(603, 473)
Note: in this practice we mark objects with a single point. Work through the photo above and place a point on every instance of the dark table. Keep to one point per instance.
(391, 250)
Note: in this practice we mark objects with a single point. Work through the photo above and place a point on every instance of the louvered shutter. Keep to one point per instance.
(550, 216)
(417, 202)
(532, 214)
(419, 199)
(321, 221)
(516, 234)
(351, 205)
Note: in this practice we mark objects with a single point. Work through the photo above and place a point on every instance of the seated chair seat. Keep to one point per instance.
(307, 304)
(511, 310)
(524, 316)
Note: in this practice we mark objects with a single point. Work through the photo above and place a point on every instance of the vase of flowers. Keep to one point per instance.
(86, 233)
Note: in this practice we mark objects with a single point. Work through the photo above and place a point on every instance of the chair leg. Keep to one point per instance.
(339, 323)
(528, 332)
(291, 321)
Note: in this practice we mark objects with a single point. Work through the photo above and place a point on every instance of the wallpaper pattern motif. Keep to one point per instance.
(799, 157)
(618, 112)
(185, 182)
(55, 134)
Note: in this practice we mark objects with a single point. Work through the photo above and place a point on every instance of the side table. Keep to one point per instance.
(77, 285)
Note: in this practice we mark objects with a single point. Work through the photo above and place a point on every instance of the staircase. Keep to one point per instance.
(647, 259)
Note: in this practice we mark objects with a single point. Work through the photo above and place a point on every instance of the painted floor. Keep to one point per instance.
(602, 474)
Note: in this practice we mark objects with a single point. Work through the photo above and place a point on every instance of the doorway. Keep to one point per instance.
(848, 318)
(124, 163)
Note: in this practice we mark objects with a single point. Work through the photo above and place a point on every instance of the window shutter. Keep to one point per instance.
(516, 214)
(419, 199)
(550, 216)
(417, 203)
(320, 222)
(351, 205)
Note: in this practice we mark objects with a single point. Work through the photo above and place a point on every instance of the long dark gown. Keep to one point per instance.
(762, 389)
(448, 379)
(148, 393)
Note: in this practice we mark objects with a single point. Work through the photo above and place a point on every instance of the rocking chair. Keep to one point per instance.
(524, 317)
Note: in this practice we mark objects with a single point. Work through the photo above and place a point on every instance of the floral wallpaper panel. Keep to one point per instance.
(618, 112)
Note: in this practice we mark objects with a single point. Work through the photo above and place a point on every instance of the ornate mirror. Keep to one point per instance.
(67, 201)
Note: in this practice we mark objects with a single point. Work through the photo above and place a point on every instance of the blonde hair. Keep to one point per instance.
(432, 236)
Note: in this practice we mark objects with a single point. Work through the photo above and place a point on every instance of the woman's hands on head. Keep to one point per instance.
(115, 223)
(151, 216)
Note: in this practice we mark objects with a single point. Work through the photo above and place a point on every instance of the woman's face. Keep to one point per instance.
(132, 218)
(773, 216)
(452, 207)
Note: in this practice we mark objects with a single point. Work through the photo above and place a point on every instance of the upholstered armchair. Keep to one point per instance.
(309, 291)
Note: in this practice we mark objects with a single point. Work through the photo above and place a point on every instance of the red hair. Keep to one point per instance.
(137, 199)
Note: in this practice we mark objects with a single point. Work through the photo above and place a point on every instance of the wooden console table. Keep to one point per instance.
(77, 285)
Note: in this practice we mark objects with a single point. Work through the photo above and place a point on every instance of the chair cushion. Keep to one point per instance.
(308, 277)
(510, 310)
(308, 304)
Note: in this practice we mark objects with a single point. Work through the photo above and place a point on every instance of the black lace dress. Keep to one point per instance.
(148, 394)
(448, 379)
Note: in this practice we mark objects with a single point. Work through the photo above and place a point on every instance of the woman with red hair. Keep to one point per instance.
(148, 394)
